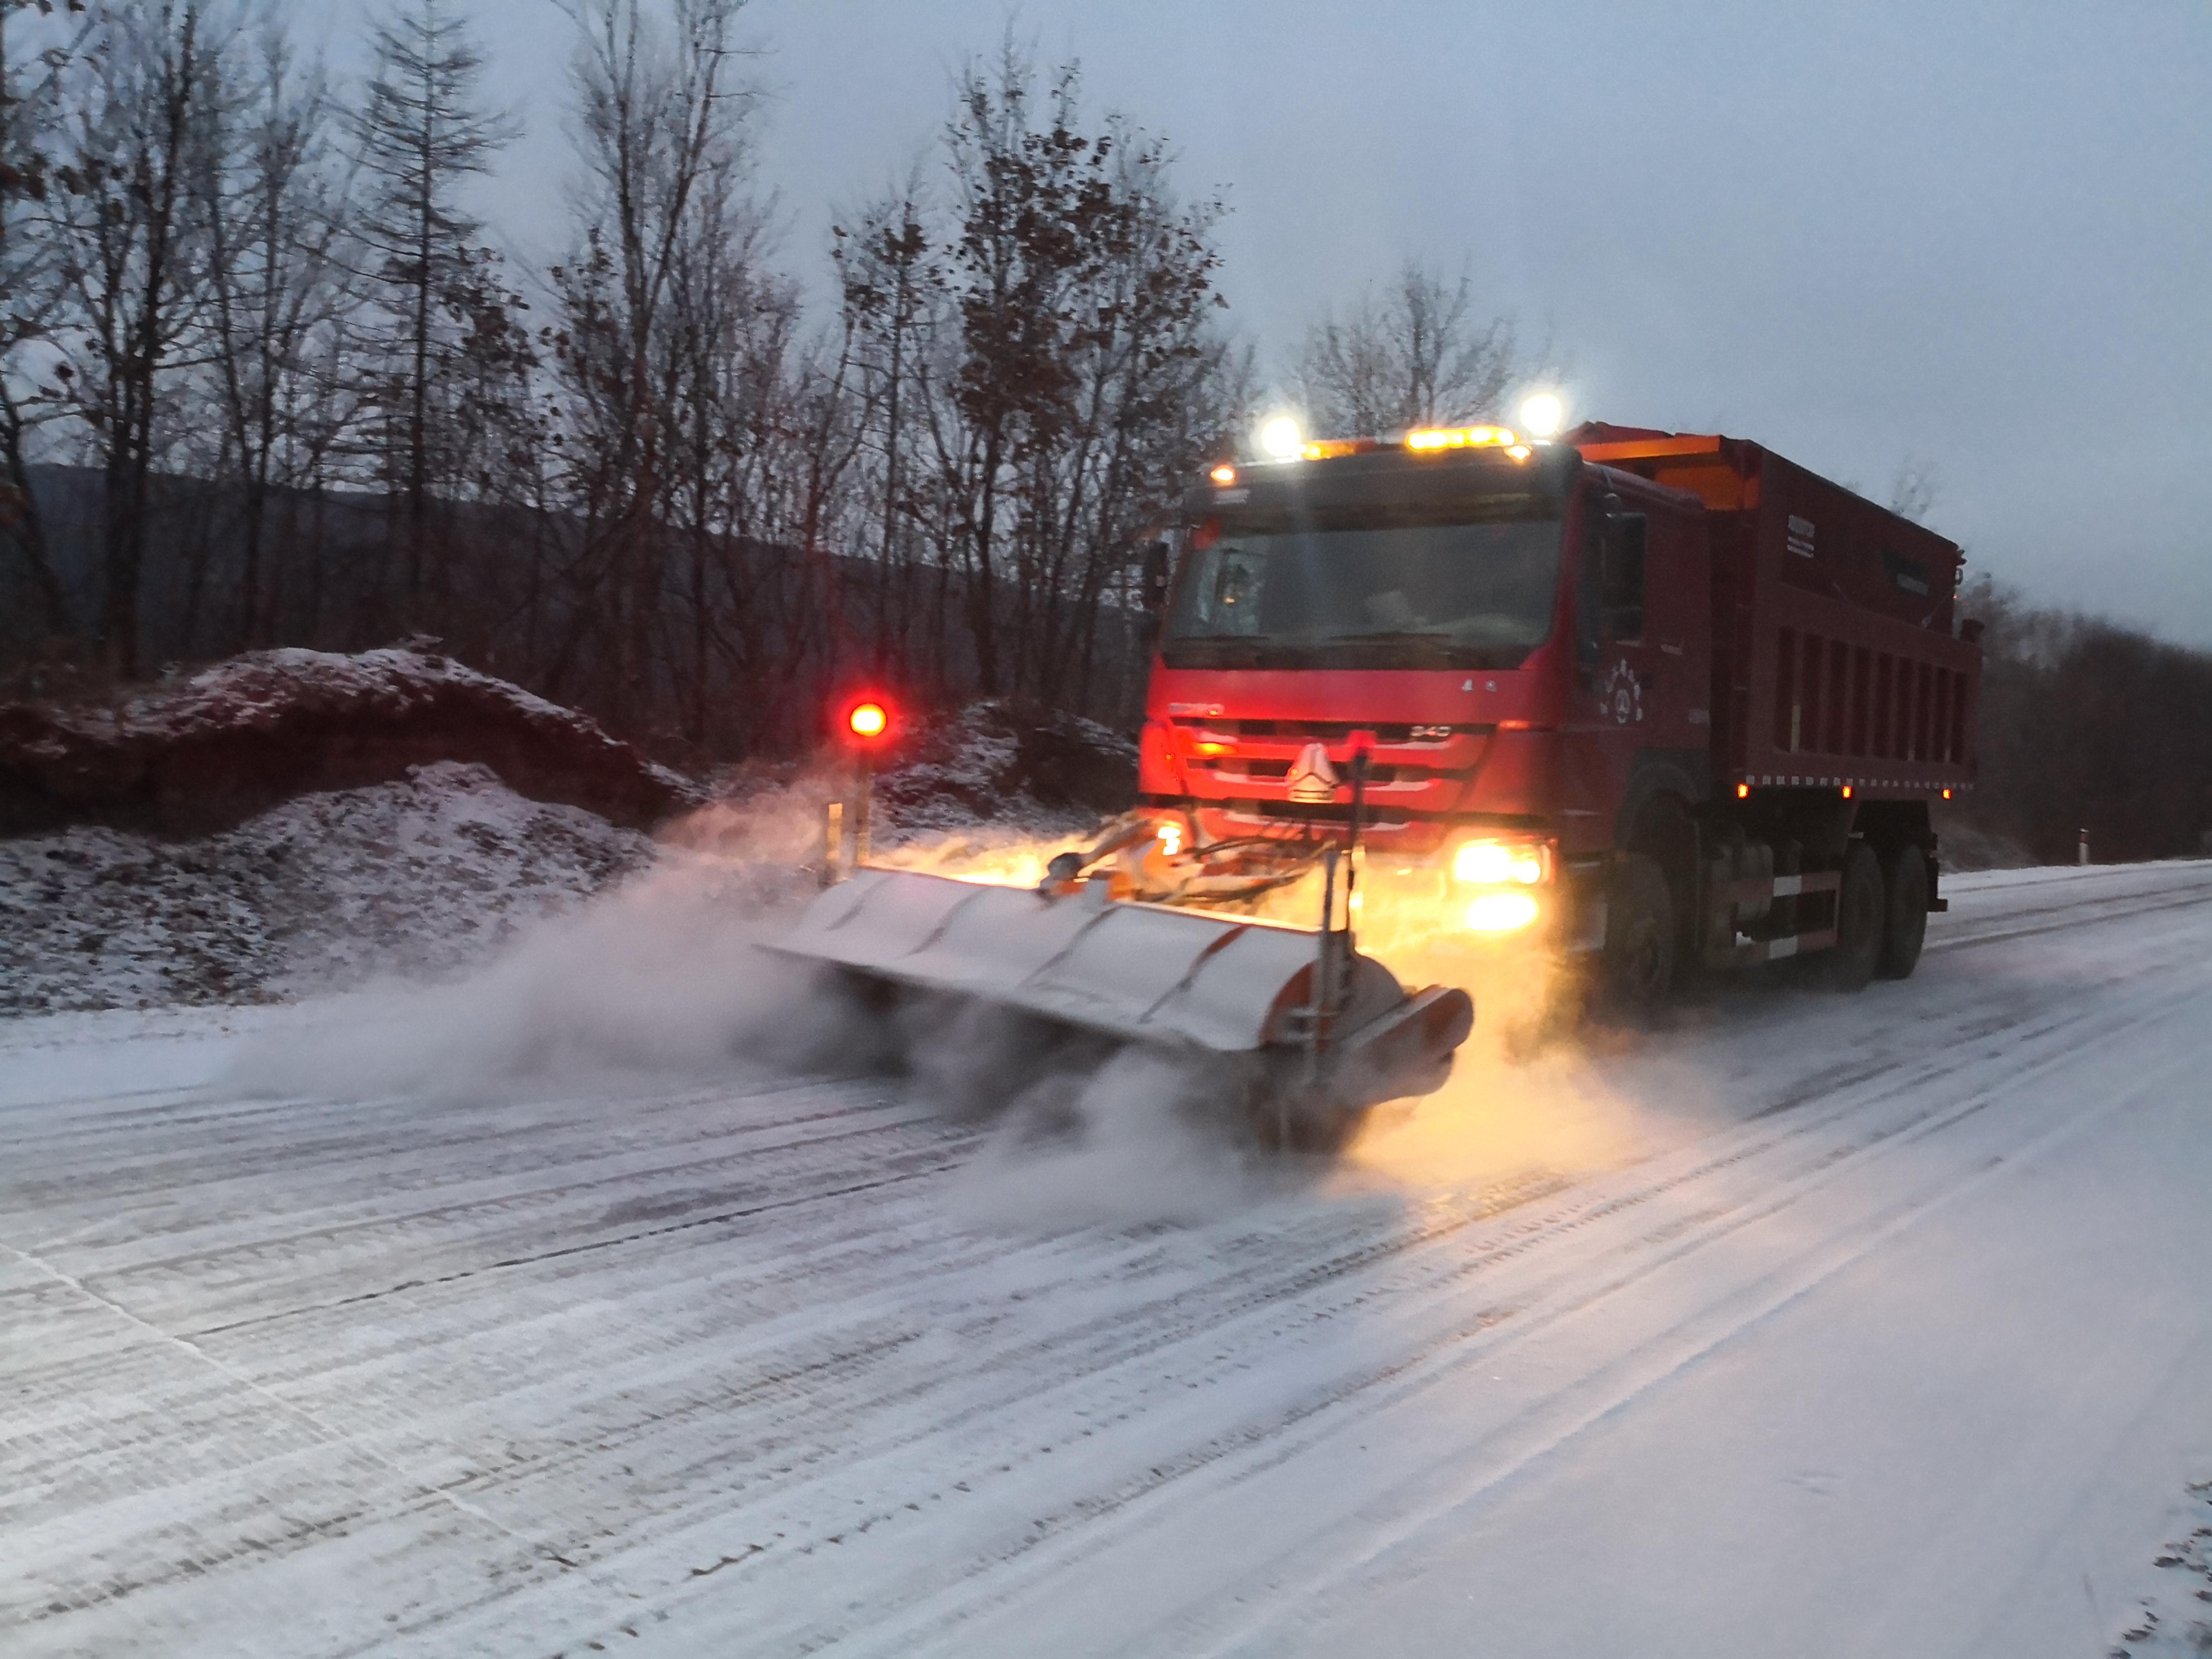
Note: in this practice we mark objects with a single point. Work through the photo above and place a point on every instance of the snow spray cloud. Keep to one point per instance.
(1543, 1086)
(662, 975)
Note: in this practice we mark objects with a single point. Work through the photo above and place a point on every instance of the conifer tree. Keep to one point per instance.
(422, 131)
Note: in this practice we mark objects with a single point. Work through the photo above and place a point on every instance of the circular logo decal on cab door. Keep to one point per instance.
(1622, 695)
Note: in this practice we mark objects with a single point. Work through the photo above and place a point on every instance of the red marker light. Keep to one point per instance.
(868, 720)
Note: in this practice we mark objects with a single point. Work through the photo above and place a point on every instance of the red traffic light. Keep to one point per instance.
(868, 720)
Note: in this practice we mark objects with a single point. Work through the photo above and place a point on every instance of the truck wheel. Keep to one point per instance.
(1859, 911)
(1639, 937)
(1905, 926)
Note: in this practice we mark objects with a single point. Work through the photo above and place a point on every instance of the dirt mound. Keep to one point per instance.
(210, 751)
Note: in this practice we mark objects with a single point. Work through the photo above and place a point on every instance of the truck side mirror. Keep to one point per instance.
(1154, 586)
(1970, 631)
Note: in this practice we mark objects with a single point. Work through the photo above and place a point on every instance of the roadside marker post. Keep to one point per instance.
(867, 725)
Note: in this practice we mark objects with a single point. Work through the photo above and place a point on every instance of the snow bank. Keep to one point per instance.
(419, 876)
(208, 751)
(432, 873)
(994, 768)
(1963, 846)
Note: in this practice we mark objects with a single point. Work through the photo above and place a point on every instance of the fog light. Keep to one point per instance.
(1501, 912)
(1490, 862)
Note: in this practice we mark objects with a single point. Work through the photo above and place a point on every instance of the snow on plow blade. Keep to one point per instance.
(1144, 973)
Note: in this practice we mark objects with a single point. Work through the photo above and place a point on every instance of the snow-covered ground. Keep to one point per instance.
(523, 1316)
(420, 876)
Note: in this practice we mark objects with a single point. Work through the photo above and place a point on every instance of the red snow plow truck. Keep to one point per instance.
(1651, 699)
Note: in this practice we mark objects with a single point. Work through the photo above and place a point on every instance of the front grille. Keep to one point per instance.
(1327, 730)
(1275, 771)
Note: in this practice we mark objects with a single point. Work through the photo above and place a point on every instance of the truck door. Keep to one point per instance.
(1641, 650)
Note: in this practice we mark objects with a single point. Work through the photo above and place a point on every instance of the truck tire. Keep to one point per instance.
(1860, 909)
(1904, 920)
(1639, 938)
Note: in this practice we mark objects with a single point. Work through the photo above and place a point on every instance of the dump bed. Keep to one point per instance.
(1834, 655)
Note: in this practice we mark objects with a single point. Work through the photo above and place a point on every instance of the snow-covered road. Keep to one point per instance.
(1815, 1325)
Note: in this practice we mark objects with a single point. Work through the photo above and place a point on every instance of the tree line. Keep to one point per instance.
(2088, 730)
(263, 381)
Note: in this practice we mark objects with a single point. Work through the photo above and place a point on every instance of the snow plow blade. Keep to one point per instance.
(1145, 972)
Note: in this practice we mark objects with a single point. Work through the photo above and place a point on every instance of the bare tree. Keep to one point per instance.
(141, 134)
(732, 325)
(1083, 292)
(1414, 355)
(422, 132)
(890, 288)
(660, 120)
(31, 290)
(276, 233)
(1016, 191)
(1148, 365)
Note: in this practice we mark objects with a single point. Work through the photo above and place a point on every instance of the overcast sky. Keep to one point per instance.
(1976, 233)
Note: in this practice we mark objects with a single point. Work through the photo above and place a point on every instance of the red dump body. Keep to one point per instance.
(1791, 636)
(1834, 659)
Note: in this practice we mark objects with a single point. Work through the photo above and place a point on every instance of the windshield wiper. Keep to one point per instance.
(1223, 650)
(1454, 652)
(1408, 648)
(1389, 634)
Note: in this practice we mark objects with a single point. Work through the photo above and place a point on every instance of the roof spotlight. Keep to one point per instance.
(1542, 413)
(1280, 440)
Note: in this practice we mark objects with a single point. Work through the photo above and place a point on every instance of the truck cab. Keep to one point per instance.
(1568, 684)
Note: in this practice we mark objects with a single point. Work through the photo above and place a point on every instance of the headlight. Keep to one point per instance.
(1170, 837)
(1495, 863)
(1501, 912)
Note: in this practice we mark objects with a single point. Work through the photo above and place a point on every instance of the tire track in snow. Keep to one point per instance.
(2059, 1029)
(1582, 1282)
(2060, 1035)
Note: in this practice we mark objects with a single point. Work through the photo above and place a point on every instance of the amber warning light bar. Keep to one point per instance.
(1281, 441)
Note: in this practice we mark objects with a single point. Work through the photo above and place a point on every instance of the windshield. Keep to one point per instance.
(1363, 588)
